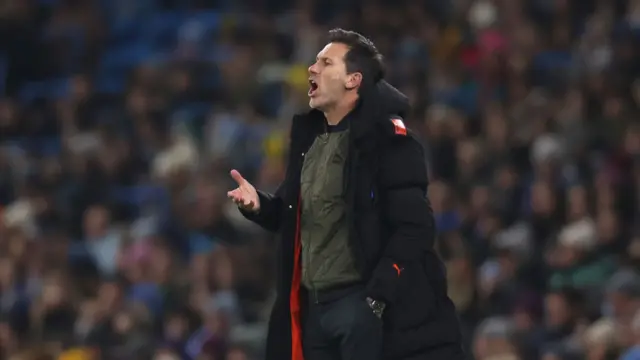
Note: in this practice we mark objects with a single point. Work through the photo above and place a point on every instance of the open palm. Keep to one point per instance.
(245, 195)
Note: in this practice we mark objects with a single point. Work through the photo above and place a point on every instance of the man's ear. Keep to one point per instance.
(354, 80)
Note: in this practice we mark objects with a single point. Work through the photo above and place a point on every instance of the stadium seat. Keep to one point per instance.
(138, 196)
(32, 91)
(48, 89)
(159, 29)
(125, 57)
(553, 60)
(110, 82)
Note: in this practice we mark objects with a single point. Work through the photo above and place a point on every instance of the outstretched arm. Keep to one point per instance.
(260, 207)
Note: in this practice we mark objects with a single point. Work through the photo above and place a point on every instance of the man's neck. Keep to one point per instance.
(340, 111)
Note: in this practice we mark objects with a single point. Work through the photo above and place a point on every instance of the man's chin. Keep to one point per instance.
(316, 104)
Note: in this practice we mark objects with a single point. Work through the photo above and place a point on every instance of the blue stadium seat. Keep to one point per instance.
(138, 196)
(125, 31)
(448, 221)
(117, 10)
(192, 111)
(126, 19)
(211, 79)
(42, 146)
(553, 60)
(465, 98)
(200, 244)
(110, 82)
(160, 29)
(207, 22)
(50, 146)
(149, 294)
(125, 57)
(58, 88)
(271, 98)
(212, 19)
(32, 91)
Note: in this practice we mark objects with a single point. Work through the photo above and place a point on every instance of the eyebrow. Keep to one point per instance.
(323, 58)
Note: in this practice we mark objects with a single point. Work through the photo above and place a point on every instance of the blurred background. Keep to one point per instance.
(119, 121)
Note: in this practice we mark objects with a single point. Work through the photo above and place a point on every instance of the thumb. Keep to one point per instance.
(235, 174)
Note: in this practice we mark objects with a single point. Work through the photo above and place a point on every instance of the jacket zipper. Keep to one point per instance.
(306, 252)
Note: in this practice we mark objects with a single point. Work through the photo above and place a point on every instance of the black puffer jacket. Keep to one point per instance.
(391, 231)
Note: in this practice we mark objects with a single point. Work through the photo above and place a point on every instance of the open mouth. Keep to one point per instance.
(313, 86)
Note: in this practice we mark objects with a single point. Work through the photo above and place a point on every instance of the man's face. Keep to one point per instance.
(328, 77)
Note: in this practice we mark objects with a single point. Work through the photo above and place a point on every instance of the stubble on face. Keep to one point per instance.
(328, 72)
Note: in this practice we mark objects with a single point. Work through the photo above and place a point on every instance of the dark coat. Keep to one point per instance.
(391, 232)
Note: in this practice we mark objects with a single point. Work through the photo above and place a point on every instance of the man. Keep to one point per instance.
(358, 277)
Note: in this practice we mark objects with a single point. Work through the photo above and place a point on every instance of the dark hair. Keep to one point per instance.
(363, 56)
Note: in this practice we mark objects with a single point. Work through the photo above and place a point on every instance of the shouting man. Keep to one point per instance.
(358, 277)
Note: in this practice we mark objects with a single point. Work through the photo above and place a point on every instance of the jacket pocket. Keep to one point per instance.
(415, 303)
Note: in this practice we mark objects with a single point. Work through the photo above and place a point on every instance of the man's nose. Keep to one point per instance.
(313, 69)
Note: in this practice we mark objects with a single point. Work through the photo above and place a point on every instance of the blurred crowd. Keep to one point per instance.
(120, 119)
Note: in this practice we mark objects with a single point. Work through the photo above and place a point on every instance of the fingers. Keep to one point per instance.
(238, 198)
(235, 174)
(248, 205)
(244, 196)
(235, 195)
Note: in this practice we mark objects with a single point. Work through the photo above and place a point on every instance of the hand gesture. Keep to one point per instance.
(245, 195)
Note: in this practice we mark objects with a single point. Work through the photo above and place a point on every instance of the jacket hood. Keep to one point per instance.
(378, 103)
(391, 100)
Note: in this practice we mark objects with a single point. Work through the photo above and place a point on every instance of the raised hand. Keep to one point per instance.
(245, 195)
